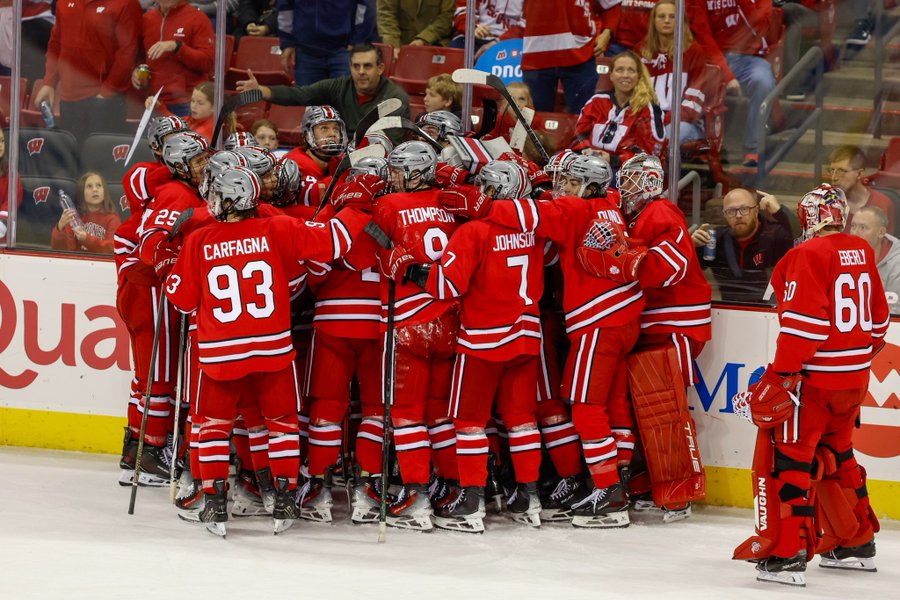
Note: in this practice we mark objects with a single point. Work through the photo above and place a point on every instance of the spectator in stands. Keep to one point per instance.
(415, 23)
(559, 47)
(863, 24)
(848, 171)
(520, 93)
(740, 28)
(316, 34)
(266, 134)
(442, 93)
(91, 55)
(870, 223)
(99, 218)
(257, 18)
(4, 189)
(495, 20)
(757, 234)
(619, 123)
(179, 48)
(37, 23)
(352, 96)
(656, 54)
(202, 111)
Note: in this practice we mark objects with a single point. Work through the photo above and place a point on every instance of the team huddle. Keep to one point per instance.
(448, 338)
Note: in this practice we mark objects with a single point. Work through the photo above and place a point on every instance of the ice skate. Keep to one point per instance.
(215, 510)
(411, 509)
(556, 506)
(155, 463)
(787, 571)
(524, 504)
(284, 509)
(671, 515)
(126, 462)
(465, 512)
(314, 500)
(254, 494)
(366, 501)
(190, 500)
(643, 503)
(602, 508)
(493, 490)
(856, 558)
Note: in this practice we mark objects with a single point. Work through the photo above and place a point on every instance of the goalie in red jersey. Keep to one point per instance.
(810, 493)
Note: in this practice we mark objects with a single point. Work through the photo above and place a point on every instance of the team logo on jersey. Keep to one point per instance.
(35, 145)
(41, 194)
(879, 431)
(120, 152)
(100, 9)
(758, 259)
(123, 203)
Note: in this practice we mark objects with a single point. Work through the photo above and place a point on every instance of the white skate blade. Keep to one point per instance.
(671, 516)
(321, 514)
(144, 479)
(473, 524)
(794, 578)
(216, 529)
(642, 505)
(556, 515)
(191, 516)
(496, 504)
(282, 525)
(852, 563)
(246, 506)
(365, 514)
(421, 523)
(530, 519)
(608, 521)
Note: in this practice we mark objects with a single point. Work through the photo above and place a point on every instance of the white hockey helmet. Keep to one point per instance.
(238, 139)
(640, 180)
(415, 161)
(288, 183)
(259, 159)
(234, 190)
(323, 146)
(160, 128)
(439, 124)
(503, 179)
(179, 151)
(594, 173)
(218, 163)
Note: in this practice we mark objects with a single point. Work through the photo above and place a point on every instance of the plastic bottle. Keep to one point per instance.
(66, 202)
(47, 113)
(709, 250)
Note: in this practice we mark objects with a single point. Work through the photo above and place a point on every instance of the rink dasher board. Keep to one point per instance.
(65, 376)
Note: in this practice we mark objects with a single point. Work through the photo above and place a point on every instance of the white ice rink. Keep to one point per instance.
(65, 534)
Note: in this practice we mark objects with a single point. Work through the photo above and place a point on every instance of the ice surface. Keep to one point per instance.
(65, 534)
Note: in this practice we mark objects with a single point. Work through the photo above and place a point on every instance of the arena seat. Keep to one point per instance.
(250, 113)
(47, 153)
(709, 151)
(387, 53)
(117, 193)
(604, 66)
(775, 38)
(105, 153)
(558, 126)
(417, 64)
(287, 119)
(40, 210)
(262, 55)
(890, 160)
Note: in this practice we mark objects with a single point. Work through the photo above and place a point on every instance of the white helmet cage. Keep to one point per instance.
(416, 160)
(643, 175)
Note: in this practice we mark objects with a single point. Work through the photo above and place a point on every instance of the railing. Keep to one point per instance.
(883, 88)
(692, 177)
(814, 57)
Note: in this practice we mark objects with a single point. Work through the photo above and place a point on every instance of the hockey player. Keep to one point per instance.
(498, 275)
(602, 325)
(326, 138)
(137, 297)
(675, 324)
(810, 493)
(426, 330)
(238, 139)
(439, 124)
(235, 275)
(262, 162)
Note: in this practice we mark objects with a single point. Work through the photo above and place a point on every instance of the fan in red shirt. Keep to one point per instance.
(4, 189)
(98, 215)
(326, 138)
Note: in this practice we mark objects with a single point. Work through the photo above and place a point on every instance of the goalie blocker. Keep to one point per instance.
(667, 430)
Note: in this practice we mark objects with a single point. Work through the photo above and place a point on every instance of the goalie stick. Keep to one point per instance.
(231, 105)
(184, 216)
(477, 77)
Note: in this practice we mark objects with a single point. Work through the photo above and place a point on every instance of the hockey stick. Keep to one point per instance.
(231, 105)
(405, 124)
(384, 241)
(349, 160)
(384, 108)
(184, 216)
(179, 379)
(475, 76)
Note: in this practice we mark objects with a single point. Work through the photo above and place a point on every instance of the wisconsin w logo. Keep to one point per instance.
(120, 152)
(35, 145)
(41, 194)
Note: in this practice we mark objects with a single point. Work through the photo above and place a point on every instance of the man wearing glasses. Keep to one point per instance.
(847, 172)
(748, 246)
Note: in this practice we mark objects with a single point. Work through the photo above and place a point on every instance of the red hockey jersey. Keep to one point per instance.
(831, 309)
(310, 175)
(140, 184)
(237, 277)
(589, 302)
(171, 199)
(660, 69)
(605, 125)
(558, 34)
(499, 275)
(740, 26)
(503, 18)
(677, 294)
(416, 221)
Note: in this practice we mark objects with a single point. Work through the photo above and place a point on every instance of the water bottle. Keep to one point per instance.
(47, 113)
(66, 202)
(709, 251)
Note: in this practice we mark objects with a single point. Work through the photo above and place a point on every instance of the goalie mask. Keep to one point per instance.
(412, 164)
(238, 139)
(217, 164)
(825, 206)
(503, 179)
(324, 141)
(160, 128)
(234, 190)
(287, 185)
(640, 180)
(439, 124)
(593, 172)
(185, 153)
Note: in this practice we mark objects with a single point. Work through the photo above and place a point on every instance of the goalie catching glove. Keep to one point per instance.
(770, 401)
(604, 252)
(359, 193)
(465, 201)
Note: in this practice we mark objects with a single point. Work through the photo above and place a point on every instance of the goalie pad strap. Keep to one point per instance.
(789, 492)
(803, 511)
(783, 462)
(862, 492)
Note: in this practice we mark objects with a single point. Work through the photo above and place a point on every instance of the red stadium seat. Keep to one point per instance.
(604, 66)
(229, 50)
(387, 54)
(250, 113)
(287, 119)
(558, 126)
(416, 107)
(890, 160)
(262, 55)
(417, 64)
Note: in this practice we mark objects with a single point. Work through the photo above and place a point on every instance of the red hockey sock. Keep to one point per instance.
(194, 445)
(561, 441)
(214, 451)
(413, 452)
(369, 441)
(525, 451)
(443, 449)
(624, 446)
(600, 457)
(324, 447)
(284, 448)
(493, 436)
(471, 456)
(159, 420)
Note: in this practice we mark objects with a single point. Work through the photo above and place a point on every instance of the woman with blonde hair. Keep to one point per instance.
(657, 55)
(617, 124)
(92, 223)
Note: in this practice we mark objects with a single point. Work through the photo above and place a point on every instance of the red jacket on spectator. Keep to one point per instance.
(741, 25)
(93, 48)
(660, 69)
(558, 34)
(180, 71)
(615, 129)
(100, 228)
(4, 200)
(504, 18)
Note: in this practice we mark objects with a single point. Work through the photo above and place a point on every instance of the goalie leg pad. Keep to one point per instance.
(844, 514)
(666, 428)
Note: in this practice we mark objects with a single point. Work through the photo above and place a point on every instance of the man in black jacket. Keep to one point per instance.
(748, 247)
(352, 96)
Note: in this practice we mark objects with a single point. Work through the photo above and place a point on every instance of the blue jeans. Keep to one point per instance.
(687, 132)
(310, 69)
(578, 83)
(755, 76)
